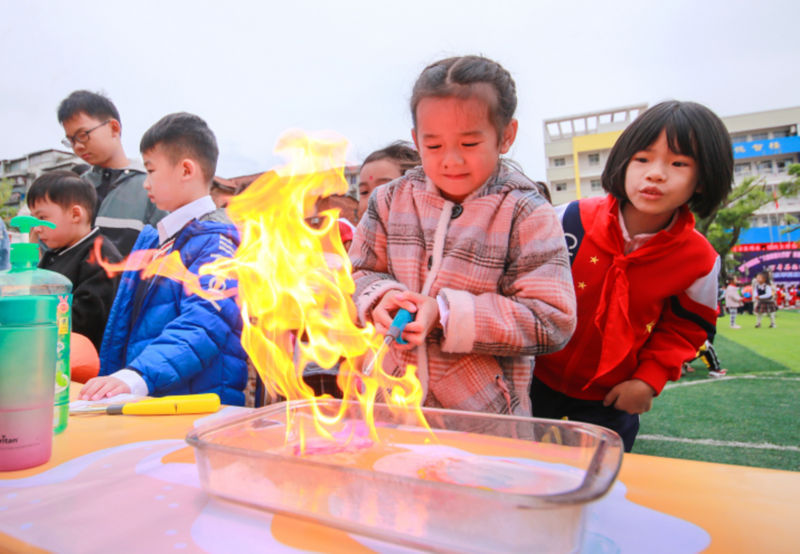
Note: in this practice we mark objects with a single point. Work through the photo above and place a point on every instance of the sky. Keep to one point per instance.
(254, 70)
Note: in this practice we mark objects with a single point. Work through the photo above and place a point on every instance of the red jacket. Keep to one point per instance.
(640, 315)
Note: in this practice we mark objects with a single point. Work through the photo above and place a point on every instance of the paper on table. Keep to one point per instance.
(118, 399)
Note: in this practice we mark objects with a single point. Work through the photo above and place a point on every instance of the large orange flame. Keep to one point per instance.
(295, 287)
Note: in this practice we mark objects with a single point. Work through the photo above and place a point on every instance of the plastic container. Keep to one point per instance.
(476, 482)
(29, 355)
(24, 278)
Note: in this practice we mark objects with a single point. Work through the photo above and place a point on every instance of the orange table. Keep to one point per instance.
(129, 483)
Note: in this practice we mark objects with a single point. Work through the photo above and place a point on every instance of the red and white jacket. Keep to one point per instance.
(640, 315)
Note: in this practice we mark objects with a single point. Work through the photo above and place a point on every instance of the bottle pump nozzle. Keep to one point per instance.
(26, 254)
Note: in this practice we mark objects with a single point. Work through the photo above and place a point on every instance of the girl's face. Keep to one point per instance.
(372, 175)
(458, 143)
(760, 279)
(657, 182)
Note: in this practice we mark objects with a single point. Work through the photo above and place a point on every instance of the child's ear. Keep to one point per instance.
(414, 138)
(509, 134)
(116, 128)
(188, 168)
(77, 213)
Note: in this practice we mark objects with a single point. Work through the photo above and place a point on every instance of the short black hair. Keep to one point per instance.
(400, 152)
(64, 188)
(692, 130)
(184, 135)
(91, 103)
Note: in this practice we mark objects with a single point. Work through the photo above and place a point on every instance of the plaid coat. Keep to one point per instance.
(498, 261)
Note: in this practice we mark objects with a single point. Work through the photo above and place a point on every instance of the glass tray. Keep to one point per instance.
(475, 482)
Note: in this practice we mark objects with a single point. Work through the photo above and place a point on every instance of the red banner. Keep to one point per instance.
(765, 246)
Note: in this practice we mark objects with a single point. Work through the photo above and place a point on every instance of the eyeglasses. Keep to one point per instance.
(82, 136)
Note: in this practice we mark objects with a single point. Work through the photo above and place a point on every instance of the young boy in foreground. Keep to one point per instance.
(160, 340)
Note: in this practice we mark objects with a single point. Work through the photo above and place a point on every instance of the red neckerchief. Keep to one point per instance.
(612, 315)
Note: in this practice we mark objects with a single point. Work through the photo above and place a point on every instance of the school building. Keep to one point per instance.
(764, 144)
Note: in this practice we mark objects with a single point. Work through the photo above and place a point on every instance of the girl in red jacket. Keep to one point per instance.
(645, 279)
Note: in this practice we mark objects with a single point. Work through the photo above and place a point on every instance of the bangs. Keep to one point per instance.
(691, 130)
(680, 135)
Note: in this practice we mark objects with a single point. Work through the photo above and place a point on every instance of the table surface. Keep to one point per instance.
(116, 479)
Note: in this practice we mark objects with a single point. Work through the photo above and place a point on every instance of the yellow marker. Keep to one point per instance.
(166, 405)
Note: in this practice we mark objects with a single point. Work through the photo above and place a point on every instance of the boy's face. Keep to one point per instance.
(165, 183)
(67, 223)
(102, 142)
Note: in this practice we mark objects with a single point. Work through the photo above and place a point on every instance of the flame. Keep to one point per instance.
(295, 288)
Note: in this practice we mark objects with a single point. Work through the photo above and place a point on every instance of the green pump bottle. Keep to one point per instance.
(25, 279)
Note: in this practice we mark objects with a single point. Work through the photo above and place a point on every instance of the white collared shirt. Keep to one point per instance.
(173, 222)
(169, 226)
(635, 242)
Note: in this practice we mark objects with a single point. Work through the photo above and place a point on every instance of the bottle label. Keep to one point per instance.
(64, 325)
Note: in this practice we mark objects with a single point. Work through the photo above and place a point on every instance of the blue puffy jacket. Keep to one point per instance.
(178, 342)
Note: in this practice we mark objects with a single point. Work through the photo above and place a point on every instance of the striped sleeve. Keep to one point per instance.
(534, 309)
(368, 257)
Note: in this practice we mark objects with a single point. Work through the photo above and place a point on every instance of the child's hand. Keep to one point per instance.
(634, 396)
(426, 316)
(384, 312)
(424, 308)
(103, 387)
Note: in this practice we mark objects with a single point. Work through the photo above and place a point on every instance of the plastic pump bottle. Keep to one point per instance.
(35, 321)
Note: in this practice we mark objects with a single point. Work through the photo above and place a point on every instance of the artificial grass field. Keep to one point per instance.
(750, 417)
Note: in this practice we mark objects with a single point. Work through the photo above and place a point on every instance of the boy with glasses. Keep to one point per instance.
(93, 130)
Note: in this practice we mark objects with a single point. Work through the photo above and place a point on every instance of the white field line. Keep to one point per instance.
(729, 378)
(714, 442)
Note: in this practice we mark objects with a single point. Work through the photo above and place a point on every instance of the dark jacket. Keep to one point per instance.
(179, 342)
(123, 206)
(92, 289)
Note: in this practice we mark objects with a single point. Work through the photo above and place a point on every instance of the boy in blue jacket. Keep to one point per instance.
(159, 340)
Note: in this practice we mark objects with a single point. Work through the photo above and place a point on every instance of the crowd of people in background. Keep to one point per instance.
(759, 296)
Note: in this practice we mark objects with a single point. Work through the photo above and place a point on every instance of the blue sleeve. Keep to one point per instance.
(192, 342)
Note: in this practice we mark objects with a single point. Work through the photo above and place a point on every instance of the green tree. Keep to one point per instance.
(6, 212)
(723, 228)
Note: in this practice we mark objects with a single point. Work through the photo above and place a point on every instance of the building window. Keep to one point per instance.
(783, 165)
(760, 136)
(560, 187)
(594, 159)
(559, 162)
(765, 166)
(738, 138)
(742, 168)
(780, 134)
(596, 184)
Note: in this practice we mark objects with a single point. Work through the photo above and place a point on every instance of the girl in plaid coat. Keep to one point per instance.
(467, 244)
